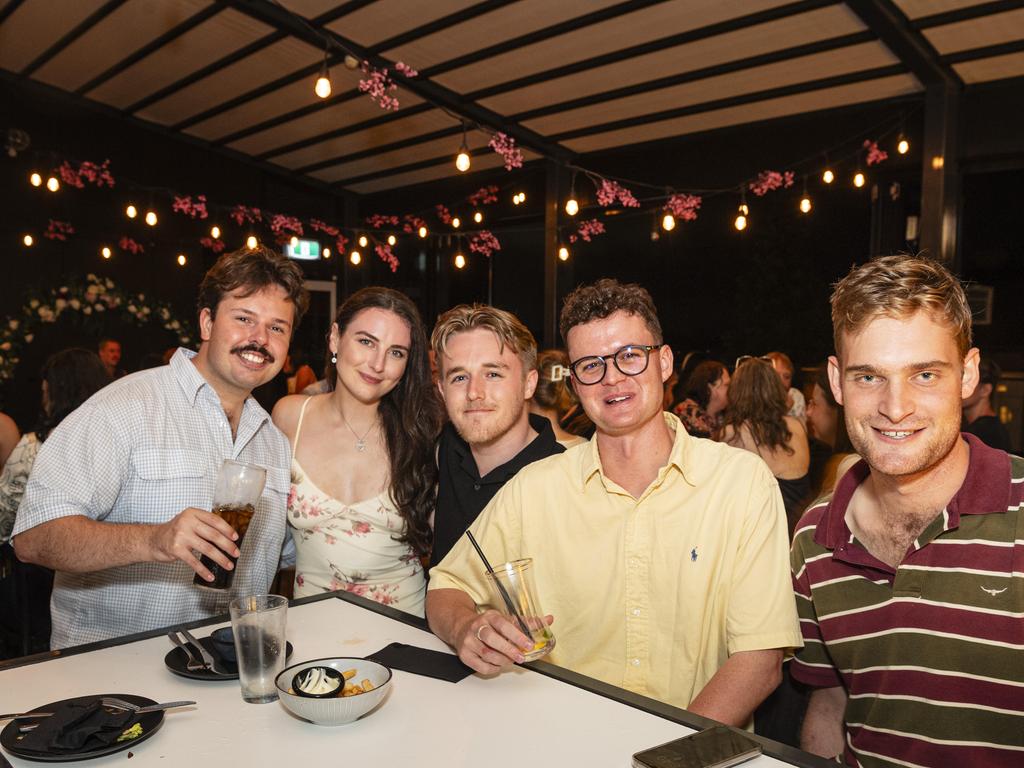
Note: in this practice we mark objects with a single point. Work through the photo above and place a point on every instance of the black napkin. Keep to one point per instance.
(422, 661)
(74, 726)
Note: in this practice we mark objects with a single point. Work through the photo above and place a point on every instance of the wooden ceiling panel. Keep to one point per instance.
(977, 33)
(829, 98)
(915, 9)
(615, 34)
(396, 130)
(314, 124)
(285, 99)
(514, 19)
(751, 41)
(310, 9)
(853, 59)
(426, 174)
(386, 18)
(992, 68)
(123, 32)
(226, 32)
(265, 66)
(35, 26)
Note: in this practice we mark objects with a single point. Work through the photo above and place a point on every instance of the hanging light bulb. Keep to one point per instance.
(294, 241)
(563, 253)
(181, 259)
(27, 240)
(572, 207)
(151, 218)
(460, 261)
(392, 240)
(478, 217)
(105, 252)
(327, 253)
(828, 177)
(422, 232)
(805, 200)
(742, 212)
(456, 222)
(251, 242)
(323, 82)
(903, 146)
(858, 180)
(52, 184)
(355, 257)
(35, 179)
(741, 222)
(462, 161)
(215, 232)
(668, 222)
(130, 211)
(363, 242)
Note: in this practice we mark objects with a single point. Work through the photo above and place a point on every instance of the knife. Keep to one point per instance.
(207, 656)
(19, 715)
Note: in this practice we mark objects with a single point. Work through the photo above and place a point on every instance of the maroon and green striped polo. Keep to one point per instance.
(931, 653)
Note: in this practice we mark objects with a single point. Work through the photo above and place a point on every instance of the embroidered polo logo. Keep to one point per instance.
(993, 591)
(693, 555)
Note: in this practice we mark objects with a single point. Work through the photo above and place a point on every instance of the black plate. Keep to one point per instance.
(150, 722)
(175, 660)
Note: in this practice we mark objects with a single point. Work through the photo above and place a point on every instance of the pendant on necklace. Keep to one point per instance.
(360, 446)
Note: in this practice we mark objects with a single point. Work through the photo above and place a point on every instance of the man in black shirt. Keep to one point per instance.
(486, 360)
(979, 416)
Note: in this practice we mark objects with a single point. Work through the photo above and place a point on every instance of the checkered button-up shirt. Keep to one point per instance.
(140, 451)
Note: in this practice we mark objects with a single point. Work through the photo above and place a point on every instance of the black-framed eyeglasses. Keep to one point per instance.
(631, 360)
(744, 358)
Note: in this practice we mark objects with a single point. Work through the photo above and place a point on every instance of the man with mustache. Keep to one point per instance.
(117, 503)
(486, 361)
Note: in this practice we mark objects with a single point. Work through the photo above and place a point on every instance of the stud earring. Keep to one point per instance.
(334, 359)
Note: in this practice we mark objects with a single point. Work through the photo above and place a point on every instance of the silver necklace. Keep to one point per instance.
(360, 441)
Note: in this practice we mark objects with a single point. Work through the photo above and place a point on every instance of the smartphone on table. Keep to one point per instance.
(715, 747)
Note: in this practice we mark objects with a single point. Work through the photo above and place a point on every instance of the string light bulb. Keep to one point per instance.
(741, 222)
(323, 82)
(805, 200)
(903, 146)
(742, 212)
(858, 180)
(105, 252)
(456, 222)
(181, 260)
(294, 241)
(392, 240)
(668, 222)
(251, 242)
(52, 184)
(131, 211)
(151, 218)
(422, 232)
(572, 206)
(462, 161)
(563, 253)
(28, 240)
(363, 242)
(478, 217)
(828, 177)
(327, 253)
(355, 257)
(35, 179)
(215, 232)
(460, 261)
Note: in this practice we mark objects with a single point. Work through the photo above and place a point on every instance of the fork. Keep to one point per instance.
(190, 661)
(207, 656)
(113, 703)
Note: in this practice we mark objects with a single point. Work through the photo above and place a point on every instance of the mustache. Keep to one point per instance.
(257, 348)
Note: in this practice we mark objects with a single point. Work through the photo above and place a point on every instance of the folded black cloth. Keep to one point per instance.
(422, 661)
(75, 726)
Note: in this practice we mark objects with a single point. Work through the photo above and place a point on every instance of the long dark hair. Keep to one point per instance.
(698, 383)
(72, 376)
(841, 443)
(758, 399)
(411, 414)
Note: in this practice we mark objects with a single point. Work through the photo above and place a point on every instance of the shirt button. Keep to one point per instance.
(635, 662)
(476, 486)
(636, 611)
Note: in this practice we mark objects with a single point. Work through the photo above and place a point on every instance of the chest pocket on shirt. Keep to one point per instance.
(166, 481)
(278, 481)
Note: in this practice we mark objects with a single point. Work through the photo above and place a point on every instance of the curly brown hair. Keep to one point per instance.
(758, 399)
(253, 269)
(604, 298)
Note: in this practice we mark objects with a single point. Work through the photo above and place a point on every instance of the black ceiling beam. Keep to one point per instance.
(908, 44)
(152, 46)
(966, 14)
(416, 166)
(79, 29)
(731, 25)
(494, 50)
(8, 9)
(278, 17)
(984, 52)
(617, 93)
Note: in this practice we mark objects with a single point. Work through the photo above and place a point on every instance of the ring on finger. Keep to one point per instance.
(479, 630)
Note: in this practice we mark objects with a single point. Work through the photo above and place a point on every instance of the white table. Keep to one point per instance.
(519, 718)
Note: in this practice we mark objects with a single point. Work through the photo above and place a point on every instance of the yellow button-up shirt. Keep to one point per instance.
(650, 594)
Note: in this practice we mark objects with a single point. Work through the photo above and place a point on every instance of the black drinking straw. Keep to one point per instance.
(501, 587)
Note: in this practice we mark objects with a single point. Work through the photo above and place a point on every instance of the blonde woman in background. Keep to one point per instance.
(552, 398)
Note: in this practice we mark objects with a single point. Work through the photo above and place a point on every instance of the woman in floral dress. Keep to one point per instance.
(363, 469)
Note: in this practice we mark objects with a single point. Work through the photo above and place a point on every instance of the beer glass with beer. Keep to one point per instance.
(238, 490)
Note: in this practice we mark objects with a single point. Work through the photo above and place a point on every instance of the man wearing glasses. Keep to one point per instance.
(663, 557)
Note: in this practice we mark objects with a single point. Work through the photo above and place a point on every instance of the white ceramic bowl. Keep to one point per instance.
(338, 710)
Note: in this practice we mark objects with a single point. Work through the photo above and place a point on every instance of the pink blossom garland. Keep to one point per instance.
(505, 146)
(340, 242)
(875, 155)
(217, 246)
(318, 226)
(384, 251)
(683, 207)
(58, 230)
(412, 223)
(242, 213)
(484, 195)
(484, 242)
(127, 244)
(194, 210)
(610, 190)
(766, 181)
(99, 175)
(587, 230)
(443, 214)
(379, 86)
(378, 220)
(406, 70)
(285, 226)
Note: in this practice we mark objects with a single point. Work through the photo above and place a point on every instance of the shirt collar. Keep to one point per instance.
(192, 382)
(985, 489)
(542, 446)
(680, 457)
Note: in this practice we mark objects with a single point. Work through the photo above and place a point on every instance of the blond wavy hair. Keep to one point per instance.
(468, 317)
(899, 287)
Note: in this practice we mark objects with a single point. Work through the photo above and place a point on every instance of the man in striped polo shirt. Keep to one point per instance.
(910, 580)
